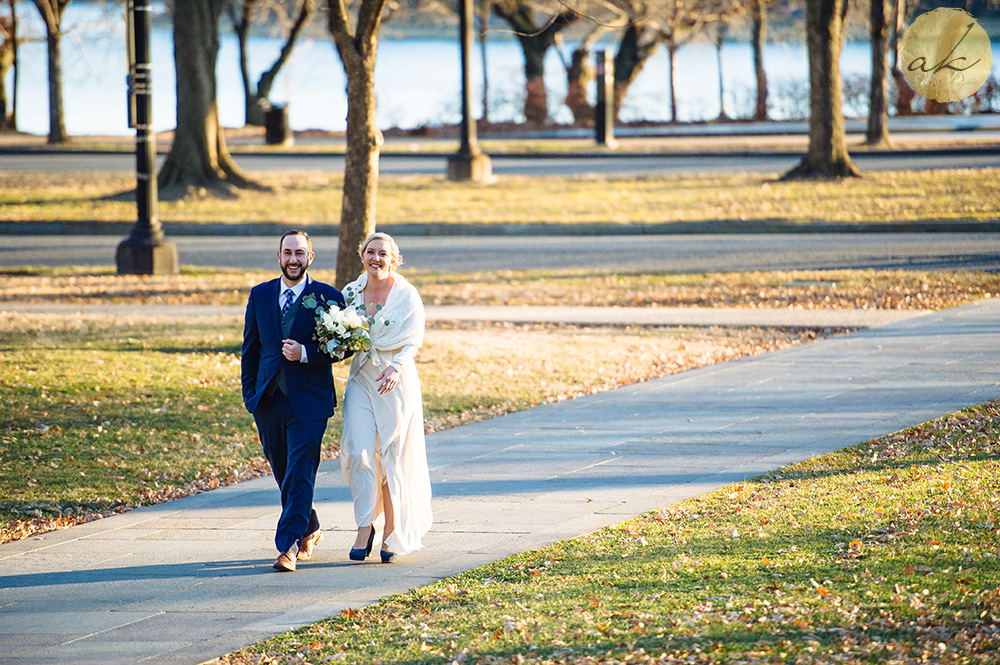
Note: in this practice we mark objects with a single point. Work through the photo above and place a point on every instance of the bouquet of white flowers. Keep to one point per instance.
(341, 331)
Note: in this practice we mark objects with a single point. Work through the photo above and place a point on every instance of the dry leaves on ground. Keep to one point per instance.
(837, 289)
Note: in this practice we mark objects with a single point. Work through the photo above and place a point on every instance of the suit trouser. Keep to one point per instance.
(292, 448)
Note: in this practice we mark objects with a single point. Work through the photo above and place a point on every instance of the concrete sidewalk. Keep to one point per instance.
(191, 579)
(641, 316)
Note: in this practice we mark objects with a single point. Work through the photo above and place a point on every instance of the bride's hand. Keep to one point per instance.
(387, 380)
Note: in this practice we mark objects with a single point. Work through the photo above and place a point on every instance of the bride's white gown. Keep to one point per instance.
(383, 439)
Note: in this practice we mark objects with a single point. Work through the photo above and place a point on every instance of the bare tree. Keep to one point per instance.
(198, 156)
(483, 15)
(718, 40)
(52, 12)
(878, 106)
(356, 39)
(759, 39)
(242, 14)
(906, 93)
(638, 42)
(536, 31)
(579, 73)
(678, 22)
(16, 64)
(726, 14)
(827, 156)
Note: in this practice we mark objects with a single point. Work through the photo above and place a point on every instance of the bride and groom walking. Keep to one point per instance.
(287, 384)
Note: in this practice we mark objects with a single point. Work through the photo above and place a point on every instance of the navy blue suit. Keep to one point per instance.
(291, 425)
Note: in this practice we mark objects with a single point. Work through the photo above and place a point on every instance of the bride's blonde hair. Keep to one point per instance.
(397, 258)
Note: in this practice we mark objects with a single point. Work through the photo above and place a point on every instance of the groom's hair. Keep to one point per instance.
(296, 232)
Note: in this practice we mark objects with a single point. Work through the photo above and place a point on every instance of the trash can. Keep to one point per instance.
(276, 131)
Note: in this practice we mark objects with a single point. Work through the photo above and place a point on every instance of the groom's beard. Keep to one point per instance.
(291, 277)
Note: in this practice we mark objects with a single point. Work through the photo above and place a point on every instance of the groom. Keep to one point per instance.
(288, 387)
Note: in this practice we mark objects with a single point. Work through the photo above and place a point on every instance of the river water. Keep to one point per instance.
(417, 79)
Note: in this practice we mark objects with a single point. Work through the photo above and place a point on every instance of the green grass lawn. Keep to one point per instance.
(104, 413)
(746, 201)
(885, 552)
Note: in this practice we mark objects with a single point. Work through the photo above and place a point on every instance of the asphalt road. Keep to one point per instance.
(666, 253)
(534, 165)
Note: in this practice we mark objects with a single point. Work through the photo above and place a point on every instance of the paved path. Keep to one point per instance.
(186, 581)
(252, 247)
(642, 316)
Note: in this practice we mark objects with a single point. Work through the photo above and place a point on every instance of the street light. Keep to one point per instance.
(469, 163)
(145, 251)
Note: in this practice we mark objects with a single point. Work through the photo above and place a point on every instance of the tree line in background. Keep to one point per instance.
(200, 159)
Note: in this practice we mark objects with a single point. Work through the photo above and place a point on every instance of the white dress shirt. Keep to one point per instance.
(297, 292)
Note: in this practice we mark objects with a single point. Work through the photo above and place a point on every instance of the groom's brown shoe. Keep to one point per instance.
(285, 563)
(306, 545)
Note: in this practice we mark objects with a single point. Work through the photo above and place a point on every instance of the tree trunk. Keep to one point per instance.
(672, 78)
(535, 43)
(579, 74)
(241, 26)
(51, 11)
(256, 99)
(199, 156)
(358, 48)
(57, 115)
(878, 108)
(484, 25)
(6, 61)
(266, 80)
(630, 58)
(759, 40)
(536, 99)
(15, 64)
(357, 215)
(720, 38)
(906, 92)
(827, 156)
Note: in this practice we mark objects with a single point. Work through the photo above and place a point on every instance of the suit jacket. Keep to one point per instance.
(310, 384)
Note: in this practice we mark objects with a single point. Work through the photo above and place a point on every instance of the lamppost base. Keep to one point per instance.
(147, 258)
(476, 167)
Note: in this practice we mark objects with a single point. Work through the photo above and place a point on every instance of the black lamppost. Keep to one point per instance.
(145, 251)
(469, 163)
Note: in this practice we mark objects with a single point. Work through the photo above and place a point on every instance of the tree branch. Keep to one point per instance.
(369, 18)
(267, 78)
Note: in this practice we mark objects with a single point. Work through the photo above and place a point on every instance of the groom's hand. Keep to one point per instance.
(291, 349)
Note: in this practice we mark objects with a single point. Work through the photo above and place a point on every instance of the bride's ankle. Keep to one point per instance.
(364, 532)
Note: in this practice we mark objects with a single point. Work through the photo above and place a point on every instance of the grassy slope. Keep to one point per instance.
(885, 552)
(103, 413)
(748, 200)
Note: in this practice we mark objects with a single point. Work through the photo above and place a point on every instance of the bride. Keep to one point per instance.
(383, 456)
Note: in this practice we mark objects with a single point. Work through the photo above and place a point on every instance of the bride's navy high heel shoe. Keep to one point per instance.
(360, 554)
(386, 555)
